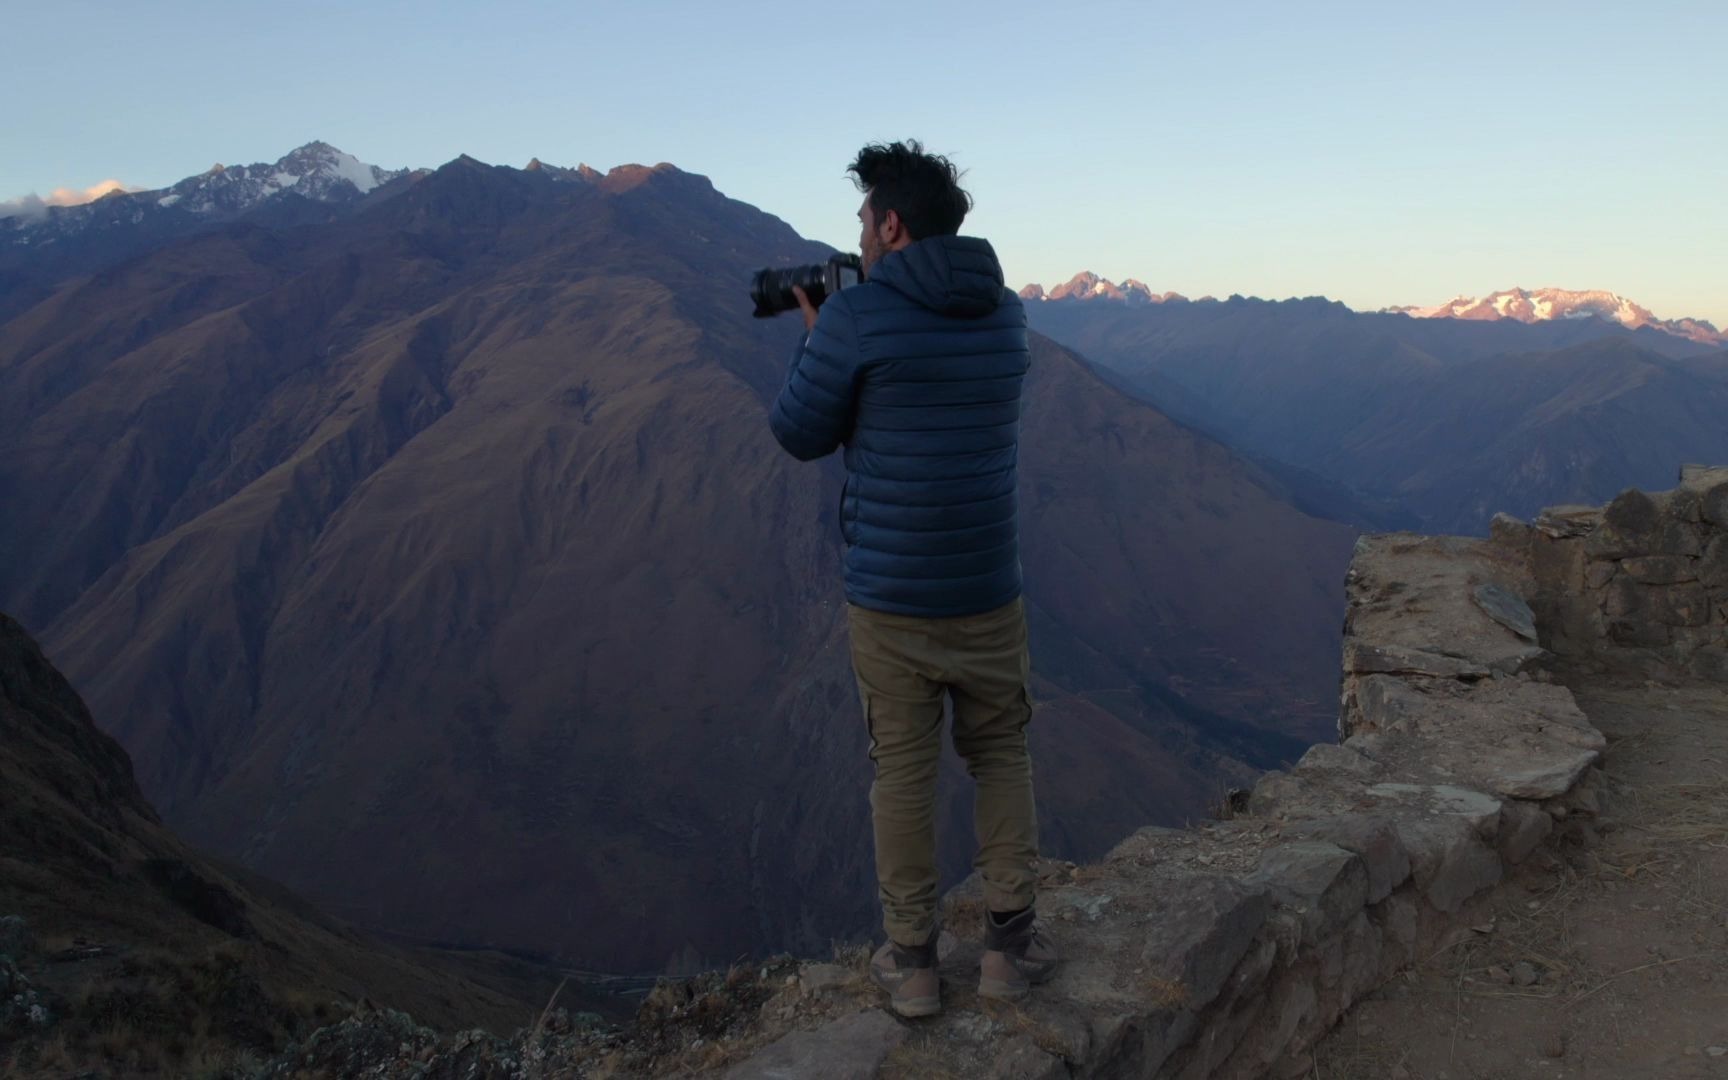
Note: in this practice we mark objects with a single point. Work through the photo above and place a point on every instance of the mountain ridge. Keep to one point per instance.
(393, 544)
(1516, 304)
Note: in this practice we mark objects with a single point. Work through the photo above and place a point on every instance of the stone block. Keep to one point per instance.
(1715, 506)
(1683, 641)
(1136, 1044)
(1506, 608)
(1021, 1057)
(1643, 635)
(1599, 573)
(1569, 521)
(1661, 569)
(1632, 513)
(1323, 883)
(1523, 826)
(1509, 532)
(1710, 664)
(1479, 813)
(1713, 564)
(1365, 961)
(1372, 839)
(1610, 543)
(1668, 605)
(1222, 1035)
(1449, 861)
(851, 1048)
(1511, 737)
(1198, 931)
(1330, 757)
(1541, 779)
(1362, 658)
(1683, 505)
(1251, 972)
(1558, 565)
(1677, 538)
(1292, 1006)
(1696, 476)
(1395, 917)
(1062, 1024)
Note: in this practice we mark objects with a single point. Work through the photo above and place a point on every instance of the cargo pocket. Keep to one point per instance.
(869, 719)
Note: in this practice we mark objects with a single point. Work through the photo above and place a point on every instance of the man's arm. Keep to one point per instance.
(815, 410)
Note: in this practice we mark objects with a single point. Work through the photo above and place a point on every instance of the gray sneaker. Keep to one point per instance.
(1017, 955)
(909, 976)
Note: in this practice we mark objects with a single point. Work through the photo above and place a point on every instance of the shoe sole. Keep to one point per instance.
(911, 1008)
(916, 1007)
(1003, 991)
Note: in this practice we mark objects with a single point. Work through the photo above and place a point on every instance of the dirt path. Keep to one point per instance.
(1608, 961)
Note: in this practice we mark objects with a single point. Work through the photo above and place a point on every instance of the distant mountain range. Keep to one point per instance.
(1543, 305)
(426, 546)
(1446, 420)
(1521, 305)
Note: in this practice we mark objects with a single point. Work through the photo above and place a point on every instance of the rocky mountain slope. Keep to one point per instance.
(436, 559)
(122, 948)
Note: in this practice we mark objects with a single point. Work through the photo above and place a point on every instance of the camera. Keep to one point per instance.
(771, 289)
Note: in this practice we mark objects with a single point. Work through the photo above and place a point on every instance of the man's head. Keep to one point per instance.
(908, 195)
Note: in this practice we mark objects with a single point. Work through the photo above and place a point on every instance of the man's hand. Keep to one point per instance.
(807, 307)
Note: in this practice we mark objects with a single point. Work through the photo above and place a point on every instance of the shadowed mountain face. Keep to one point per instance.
(1446, 421)
(179, 954)
(439, 562)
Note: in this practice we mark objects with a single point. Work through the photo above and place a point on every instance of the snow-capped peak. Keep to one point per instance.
(1089, 286)
(320, 161)
(1543, 305)
(316, 171)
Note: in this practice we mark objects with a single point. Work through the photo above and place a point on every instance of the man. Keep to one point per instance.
(918, 370)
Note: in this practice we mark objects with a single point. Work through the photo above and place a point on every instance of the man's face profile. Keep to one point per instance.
(869, 246)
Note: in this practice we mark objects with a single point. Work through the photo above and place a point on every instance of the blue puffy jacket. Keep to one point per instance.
(918, 371)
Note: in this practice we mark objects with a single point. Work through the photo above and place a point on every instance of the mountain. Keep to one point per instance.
(436, 560)
(1448, 421)
(313, 184)
(316, 171)
(1542, 305)
(1089, 286)
(145, 954)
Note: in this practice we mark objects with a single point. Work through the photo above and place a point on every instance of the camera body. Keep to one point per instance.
(771, 289)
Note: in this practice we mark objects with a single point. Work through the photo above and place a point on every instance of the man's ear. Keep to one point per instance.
(893, 226)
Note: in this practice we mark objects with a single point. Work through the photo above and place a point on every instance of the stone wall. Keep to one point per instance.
(1459, 756)
(1639, 586)
(1228, 949)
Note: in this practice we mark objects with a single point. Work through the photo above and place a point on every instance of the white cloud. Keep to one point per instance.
(33, 204)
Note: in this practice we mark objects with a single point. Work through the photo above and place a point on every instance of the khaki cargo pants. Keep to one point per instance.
(905, 665)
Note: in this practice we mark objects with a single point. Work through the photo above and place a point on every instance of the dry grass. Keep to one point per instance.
(854, 957)
(1348, 1056)
(918, 1059)
(1683, 815)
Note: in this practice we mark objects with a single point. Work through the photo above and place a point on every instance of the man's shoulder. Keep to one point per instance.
(868, 298)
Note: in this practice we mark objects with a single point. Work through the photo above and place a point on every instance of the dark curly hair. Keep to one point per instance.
(924, 189)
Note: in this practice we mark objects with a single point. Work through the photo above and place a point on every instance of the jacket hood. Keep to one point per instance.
(951, 275)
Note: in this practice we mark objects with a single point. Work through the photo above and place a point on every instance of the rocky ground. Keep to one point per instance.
(1606, 959)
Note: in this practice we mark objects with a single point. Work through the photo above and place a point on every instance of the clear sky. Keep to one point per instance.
(1377, 153)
